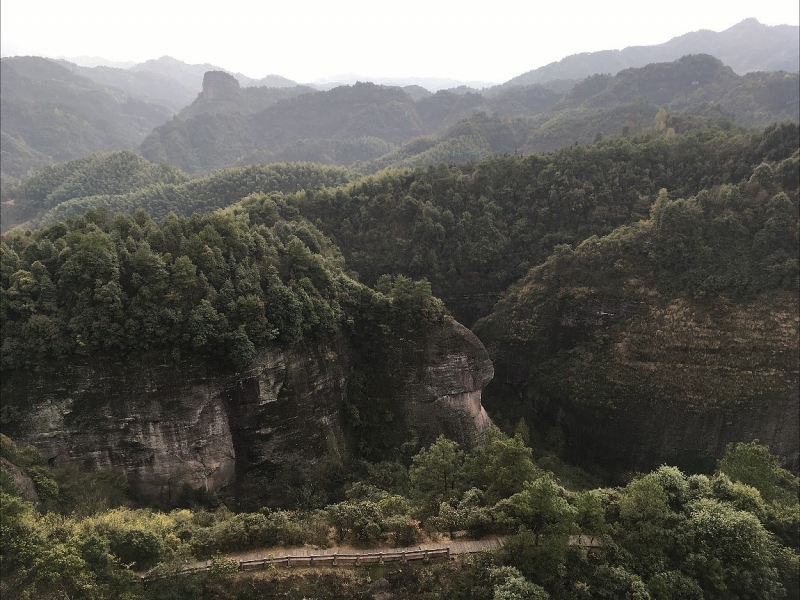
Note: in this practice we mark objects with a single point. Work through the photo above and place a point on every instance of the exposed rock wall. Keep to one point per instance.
(636, 385)
(168, 426)
(444, 397)
(23, 483)
(639, 434)
(164, 427)
(219, 84)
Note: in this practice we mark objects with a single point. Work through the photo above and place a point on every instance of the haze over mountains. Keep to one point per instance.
(163, 107)
(745, 47)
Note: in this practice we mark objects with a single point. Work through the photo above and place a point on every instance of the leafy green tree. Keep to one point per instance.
(617, 583)
(752, 464)
(435, 472)
(734, 554)
(501, 465)
(590, 513)
(645, 524)
(543, 508)
(510, 584)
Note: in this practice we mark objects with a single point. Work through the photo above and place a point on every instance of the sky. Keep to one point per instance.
(315, 40)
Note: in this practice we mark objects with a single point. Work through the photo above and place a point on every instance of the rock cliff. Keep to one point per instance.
(254, 432)
(219, 84)
(635, 382)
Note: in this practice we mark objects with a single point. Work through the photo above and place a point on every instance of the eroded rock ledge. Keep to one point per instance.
(172, 425)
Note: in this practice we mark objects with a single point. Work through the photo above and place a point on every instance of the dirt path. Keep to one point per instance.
(456, 547)
(267, 557)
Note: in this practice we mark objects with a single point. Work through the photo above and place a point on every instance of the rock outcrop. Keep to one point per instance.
(219, 84)
(255, 432)
(444, 397)
(634, 384)
(23, 483)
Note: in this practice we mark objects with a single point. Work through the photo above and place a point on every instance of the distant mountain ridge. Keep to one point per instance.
(50, 114)
(273, 119)
(371, 127)
(745, 47)
(164, 80)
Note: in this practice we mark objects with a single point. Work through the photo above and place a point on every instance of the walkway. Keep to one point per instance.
(346, 555)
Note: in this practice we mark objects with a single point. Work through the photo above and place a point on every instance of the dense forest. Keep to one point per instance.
(665, 535)
(560, 314)
(471, 229)
(653, 219)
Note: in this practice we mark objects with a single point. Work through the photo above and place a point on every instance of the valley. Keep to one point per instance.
(243, 314)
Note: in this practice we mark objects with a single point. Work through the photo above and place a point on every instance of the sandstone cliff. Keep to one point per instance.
(644, 359)
(169, 425)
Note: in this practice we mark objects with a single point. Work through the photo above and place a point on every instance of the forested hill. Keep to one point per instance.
(657, 340)
(49, 114)
(222, 94)
(365, 126)
(346, 124)
(747, 46)
(374, 127)
(219, 285)
(472, 229)
(121, 182)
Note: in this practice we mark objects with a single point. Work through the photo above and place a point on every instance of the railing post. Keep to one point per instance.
(380, 558)
(335, 554)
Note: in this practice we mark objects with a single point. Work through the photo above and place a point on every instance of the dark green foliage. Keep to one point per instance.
(109, 174)
(474, 229)
(198, 286)
(604, 325)
(752, 464)
(435, 471)
(667, 536)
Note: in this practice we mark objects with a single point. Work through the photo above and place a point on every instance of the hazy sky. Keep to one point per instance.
(307, 40)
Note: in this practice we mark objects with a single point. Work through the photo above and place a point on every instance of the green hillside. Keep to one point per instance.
(474, 229)
(689, 312)
(121, 182)
(57, 114)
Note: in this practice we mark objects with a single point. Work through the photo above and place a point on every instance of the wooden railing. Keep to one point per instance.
(337, 559)
(320, 560)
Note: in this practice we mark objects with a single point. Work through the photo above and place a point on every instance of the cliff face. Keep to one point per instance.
(635, 384)
(444, 396)
(256, 431)
(219, 84)
(164, 428)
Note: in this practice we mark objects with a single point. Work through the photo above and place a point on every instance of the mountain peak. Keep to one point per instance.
(750, 23)
(217, 84)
